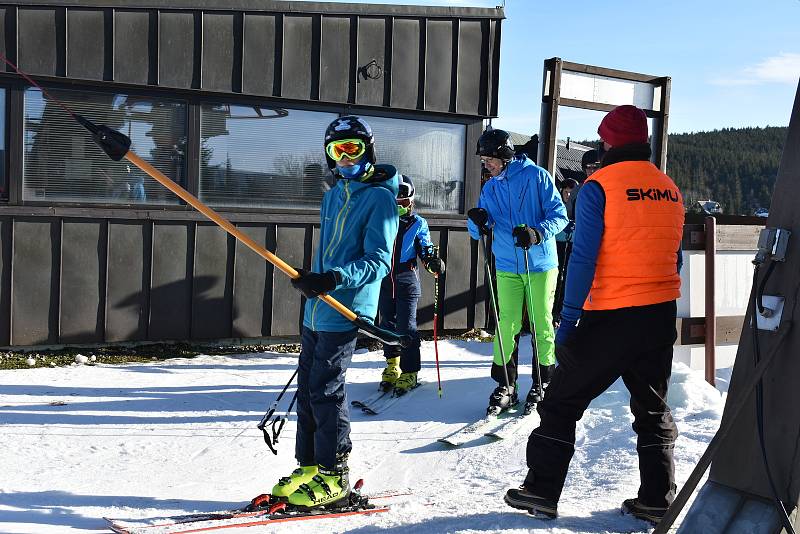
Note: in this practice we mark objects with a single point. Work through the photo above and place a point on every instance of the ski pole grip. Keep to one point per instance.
(368, 328)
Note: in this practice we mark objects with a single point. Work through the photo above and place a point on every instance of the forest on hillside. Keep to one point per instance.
(736, 167)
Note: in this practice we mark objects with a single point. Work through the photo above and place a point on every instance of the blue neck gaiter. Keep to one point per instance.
(354, 172)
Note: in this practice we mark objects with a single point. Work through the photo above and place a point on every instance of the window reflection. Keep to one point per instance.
(431, 153)
(62, 163)
(262, 157)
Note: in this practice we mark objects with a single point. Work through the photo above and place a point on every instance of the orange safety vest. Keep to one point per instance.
(637, 260)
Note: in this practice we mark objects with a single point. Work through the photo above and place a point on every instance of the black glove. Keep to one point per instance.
(480, 217)
(314, 284)
(434, 265)
(525, 236)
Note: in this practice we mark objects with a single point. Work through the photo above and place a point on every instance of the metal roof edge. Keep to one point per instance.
(280, 6)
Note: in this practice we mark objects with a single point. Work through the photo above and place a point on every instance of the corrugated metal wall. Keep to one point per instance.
(402, 57)
(70, 279)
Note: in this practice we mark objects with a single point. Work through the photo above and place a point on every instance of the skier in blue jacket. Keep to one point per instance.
(523, 210)
(400, 291)
(358, 224)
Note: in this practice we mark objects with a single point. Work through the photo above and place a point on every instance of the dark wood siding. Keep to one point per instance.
(176, 51)
(83, 281)
(406, 63)
(212, 283)
(403, 57)
(252, 287)
(335, 54)
(128, 291)
(34, 281)
(133, 33)
(171, 281)
(259, 55)
(298, 69)
(438, 64)
(459, 265)
(5, 280)
(285, 299)
(371, 47)
(220, 52)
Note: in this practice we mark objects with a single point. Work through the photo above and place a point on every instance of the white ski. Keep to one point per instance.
(513, 425)
(474, 430)
(384, 402)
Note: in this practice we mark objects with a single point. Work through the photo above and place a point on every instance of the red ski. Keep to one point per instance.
(261, 511)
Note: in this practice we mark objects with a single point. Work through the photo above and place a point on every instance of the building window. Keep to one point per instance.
(430, 153)
(254, 156)
(62, 163)
(3, 173)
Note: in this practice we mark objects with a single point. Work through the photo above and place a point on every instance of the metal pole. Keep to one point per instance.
(711, 312)
(495, 313)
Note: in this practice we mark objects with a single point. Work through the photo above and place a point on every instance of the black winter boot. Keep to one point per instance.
(502, 398)
(653, 514)
(522, 499)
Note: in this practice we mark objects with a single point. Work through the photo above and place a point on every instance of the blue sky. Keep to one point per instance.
(733, 63)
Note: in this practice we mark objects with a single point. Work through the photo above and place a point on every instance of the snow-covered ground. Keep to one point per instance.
(141, 440)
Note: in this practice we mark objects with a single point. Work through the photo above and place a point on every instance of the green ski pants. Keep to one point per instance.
(513, 296)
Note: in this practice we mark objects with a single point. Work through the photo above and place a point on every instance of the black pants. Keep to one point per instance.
(635, 344)
(397, 305)
(323, 418)
(512, 366)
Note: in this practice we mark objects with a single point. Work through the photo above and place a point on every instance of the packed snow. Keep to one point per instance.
(171, 437)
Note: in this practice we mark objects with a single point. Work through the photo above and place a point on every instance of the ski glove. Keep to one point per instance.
(434, 265)
(569, 229)
(525, 236)
(566, 329)
(480, 217)
(314, 284)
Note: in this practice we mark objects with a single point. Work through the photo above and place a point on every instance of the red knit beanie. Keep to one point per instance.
(624, 125)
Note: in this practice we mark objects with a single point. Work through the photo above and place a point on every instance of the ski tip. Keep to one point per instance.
(359, 484)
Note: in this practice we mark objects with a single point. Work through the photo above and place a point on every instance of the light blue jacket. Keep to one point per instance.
(523, 193)
(358, 225)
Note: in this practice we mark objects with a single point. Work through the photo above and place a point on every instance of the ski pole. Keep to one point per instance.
(532, 324)
(277, 426)
(493, 305)
(117, 146)
(435, 327)
(272, 407)
(562, 278)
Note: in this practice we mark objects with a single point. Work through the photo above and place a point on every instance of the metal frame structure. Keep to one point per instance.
(552, 98)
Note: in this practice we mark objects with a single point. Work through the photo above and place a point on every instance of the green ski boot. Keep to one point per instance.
(328, 488)
(391, 373)
(288, 485)
(405, 383)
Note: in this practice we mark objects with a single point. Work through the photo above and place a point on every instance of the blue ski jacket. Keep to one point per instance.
(358, 225)
(415, 238)
(523, 193)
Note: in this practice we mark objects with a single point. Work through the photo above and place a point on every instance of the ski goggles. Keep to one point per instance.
(404, 202)
(350, 148)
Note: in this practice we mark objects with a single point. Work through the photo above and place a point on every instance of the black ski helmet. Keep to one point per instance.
(406, 188)
(350, 127)
(495, 144)
(590, 157)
